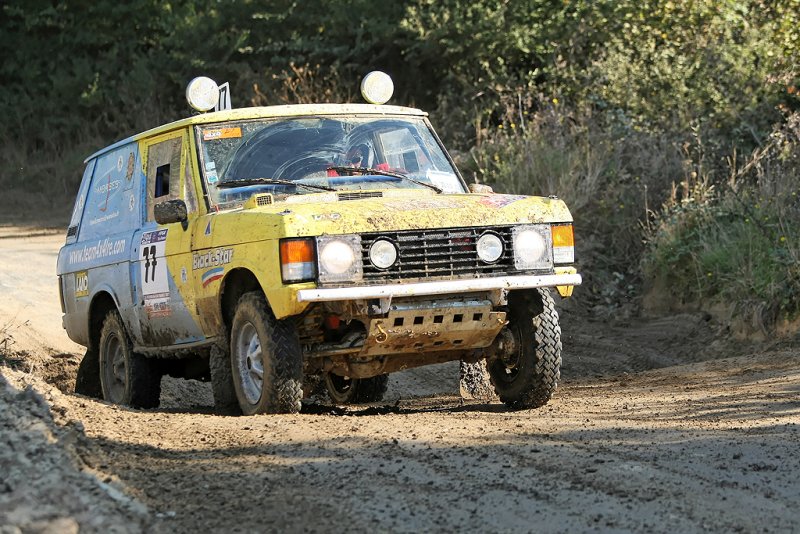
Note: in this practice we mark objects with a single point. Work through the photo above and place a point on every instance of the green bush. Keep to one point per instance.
(737, 240)
(606, 103)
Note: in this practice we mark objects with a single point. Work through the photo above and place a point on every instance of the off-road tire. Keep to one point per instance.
(87, 381)
(355, 390)
(279, 352)
(474, 381)
(533, 320)
(126, 377)
(222, 388)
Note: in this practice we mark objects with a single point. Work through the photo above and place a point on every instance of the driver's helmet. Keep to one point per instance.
(357, 156)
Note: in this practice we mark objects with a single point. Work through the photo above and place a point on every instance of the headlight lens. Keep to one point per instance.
(533, 247)
(490, 248)
(383, 254)
(339, 258)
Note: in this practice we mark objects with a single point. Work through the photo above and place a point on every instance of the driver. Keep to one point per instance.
(358, 156)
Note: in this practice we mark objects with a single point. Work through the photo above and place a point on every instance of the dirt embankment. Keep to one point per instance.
(660, 425)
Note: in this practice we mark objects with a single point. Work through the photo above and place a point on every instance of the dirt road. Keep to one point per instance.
(658, 425)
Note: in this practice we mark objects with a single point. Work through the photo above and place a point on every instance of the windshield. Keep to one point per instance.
(296, 156)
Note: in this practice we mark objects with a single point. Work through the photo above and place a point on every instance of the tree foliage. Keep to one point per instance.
(606, 99)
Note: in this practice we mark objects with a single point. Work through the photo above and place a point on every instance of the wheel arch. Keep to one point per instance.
(87, 379)
(235, 284)
(102, 303)
(528, 297)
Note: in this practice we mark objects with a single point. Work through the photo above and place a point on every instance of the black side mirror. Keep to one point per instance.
(170, 211)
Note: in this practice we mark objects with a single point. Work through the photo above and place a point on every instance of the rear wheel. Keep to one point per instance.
(266, 359)
(526, 369)
(126, 377)
(343, 390)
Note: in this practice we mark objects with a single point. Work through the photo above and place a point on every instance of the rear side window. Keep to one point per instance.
(111, 200)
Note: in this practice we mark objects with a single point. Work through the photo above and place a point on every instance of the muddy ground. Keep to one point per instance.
(659, 425)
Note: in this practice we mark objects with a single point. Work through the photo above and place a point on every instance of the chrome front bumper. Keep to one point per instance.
(437, 288)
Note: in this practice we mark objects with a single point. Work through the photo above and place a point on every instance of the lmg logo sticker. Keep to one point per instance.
(81, 284)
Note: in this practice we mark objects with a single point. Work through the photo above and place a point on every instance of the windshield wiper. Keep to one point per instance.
(269, 181)
(370, 170)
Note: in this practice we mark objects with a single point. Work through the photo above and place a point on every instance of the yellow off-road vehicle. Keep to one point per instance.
(263, 248)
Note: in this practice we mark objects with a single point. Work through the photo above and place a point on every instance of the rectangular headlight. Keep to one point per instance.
(533, 247)
(339, 258)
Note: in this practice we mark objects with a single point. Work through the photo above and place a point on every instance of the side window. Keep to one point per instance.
(402, 151)
(163, 172)
(110, 201)
(162, 181)
(80, 202)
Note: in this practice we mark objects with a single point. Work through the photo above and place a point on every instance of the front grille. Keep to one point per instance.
(440, 253)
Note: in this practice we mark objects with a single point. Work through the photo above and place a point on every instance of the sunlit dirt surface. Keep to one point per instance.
(659, 425)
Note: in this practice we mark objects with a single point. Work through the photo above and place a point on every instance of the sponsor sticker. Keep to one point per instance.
(422, 204)
(129, 171)
(81, 284)
(212, 258)
(500, 201)
(158, 309)
(222, 133)
(445, 181)
(105, 248)
(212, 275)
(154, 237)
(326, 217)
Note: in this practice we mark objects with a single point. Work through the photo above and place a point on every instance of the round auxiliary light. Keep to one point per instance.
(377, 87)
(202, 93)
(336, 257)
(490, 248)
(382, 254)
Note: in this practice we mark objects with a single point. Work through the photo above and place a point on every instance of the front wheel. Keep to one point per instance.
(526, 369)
(266, 359)
(126, 377)
(343, 390)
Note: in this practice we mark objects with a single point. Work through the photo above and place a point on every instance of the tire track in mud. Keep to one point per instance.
(708, 447)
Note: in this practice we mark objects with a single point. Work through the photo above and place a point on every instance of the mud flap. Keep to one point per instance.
(474, 381)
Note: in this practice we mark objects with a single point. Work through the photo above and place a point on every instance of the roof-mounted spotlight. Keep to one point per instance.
(202, 93)
(377, 87)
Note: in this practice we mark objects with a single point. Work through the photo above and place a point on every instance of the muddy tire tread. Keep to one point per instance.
(539, 385)
(143, 375)
(283, 371)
